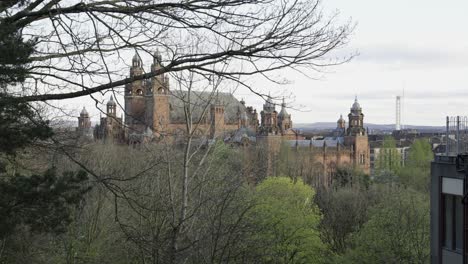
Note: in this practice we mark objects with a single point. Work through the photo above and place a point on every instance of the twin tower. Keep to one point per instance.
(147, 100)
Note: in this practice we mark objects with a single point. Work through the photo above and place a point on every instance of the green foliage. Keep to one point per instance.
(416, 173)
(287, 219)
(397, 231)
(420, 154)
(20, 126)
(388, 159)
(15, 55)
(344, 210)
(41, 202)
(350, 176)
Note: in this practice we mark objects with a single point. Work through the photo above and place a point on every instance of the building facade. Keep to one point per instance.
(153, 112)
(449, 196)
(151, 105)
(449, 211)
(111, 127)
(84, 128)
(347, 147)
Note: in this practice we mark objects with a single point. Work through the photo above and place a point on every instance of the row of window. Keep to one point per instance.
(140, 91)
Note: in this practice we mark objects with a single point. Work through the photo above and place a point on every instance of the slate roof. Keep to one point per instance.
(198, 102)
(319, 143)
(244, 132)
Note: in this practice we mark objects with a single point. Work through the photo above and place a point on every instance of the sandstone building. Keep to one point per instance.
(153, 111)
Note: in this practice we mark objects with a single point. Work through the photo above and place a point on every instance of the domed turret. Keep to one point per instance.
(283, 113)
(269, 106)
(136, 61)
(84, 113)
(341, 119)
(356, 120)
(356, 105)
(341, 122)
(84, 122)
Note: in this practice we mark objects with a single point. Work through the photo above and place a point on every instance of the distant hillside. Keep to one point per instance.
(380, 127)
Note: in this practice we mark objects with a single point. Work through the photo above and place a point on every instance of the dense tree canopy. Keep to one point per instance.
(397, 231)
(288, 222)
(416, 173)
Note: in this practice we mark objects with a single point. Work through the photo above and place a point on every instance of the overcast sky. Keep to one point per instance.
(419, 46)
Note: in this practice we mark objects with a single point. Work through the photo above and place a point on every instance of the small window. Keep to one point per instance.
(139, 92)
(362, 159)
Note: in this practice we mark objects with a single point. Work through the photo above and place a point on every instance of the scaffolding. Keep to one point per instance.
(456, 137)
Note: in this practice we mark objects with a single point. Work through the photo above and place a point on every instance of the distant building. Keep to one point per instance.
(155, 112)
(84, 128)
(111, 127)
(151, 106)
(376, 150)
(347, 147)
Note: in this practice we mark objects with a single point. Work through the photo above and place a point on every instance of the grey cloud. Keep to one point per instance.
(377, 94)
(397, 54)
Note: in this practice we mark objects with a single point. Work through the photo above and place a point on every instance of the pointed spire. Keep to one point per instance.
(136, 60)
(111, 101)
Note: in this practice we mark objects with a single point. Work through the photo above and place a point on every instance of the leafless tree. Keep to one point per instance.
(174, 205)
(81, 46)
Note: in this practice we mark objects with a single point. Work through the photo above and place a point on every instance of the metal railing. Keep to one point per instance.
(456, 137)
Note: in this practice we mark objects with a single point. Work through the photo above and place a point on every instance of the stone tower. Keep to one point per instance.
(341, 123)
(84, 122)
(269, 118)
(340, 130)
(217, 118)
(135, 99)
(356, 138)
(160, 89)
(111, 107)
(242, 118)
(356, 120)
(84, 125)
(284, 119)
(111, 123)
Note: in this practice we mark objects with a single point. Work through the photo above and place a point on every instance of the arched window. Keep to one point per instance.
(139, 92)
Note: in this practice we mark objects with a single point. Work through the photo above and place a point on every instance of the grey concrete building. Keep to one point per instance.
(449, 210)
